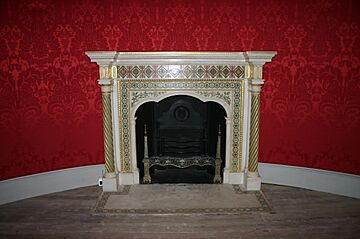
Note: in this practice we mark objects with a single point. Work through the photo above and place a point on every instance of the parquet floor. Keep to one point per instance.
(299, 214)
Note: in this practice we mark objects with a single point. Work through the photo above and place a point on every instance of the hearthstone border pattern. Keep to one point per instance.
(180, 71)
(128, 87)
(104, 196)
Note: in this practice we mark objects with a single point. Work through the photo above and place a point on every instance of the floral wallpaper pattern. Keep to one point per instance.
(50, 108)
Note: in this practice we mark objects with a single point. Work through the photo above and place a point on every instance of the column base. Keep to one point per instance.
(129, 178)
(109, 184)
(253, 181)
(110, 175)
(233, 178)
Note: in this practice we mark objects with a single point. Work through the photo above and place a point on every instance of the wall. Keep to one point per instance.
(50, 108)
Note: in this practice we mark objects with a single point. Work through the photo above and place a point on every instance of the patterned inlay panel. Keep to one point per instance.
(137, 96)
(180, 72)
(264, 206)
(142, 89)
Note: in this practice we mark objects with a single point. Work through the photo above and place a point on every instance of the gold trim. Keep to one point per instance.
(255, 91)
(242, 108)
(122, 161)
(190, 80)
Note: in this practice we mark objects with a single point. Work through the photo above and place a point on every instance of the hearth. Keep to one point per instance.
(173, 94)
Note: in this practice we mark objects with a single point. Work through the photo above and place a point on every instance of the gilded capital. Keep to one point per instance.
(106, 88)
(253, 71)
(255, 86)
(107, 72)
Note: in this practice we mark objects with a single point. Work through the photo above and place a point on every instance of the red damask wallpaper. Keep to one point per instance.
(50, 109)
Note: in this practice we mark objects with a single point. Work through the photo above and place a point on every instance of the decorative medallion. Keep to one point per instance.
(181, 113)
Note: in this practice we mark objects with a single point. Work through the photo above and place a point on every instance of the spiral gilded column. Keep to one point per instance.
(254, 132)
(108, 131)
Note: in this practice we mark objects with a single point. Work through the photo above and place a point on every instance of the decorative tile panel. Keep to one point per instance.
(222, 95)
(180, 71)
(132, 90)
(136, 96)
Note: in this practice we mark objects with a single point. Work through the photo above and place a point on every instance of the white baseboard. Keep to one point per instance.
(309, 178)
(54, 181)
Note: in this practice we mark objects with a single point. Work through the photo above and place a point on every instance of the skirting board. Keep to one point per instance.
(310, 178)
(53, 181)
(56, 181)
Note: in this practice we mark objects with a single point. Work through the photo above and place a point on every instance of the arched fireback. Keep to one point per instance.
(180, 126)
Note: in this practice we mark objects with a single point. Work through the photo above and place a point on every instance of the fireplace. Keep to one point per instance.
(181, 129)
(179, 90)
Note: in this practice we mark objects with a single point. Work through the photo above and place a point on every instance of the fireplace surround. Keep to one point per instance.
(230, 79)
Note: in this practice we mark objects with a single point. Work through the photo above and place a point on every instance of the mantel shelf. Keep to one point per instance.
(181, 57)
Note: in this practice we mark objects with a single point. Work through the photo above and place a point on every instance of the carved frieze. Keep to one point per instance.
(221, 95)
(180, 72)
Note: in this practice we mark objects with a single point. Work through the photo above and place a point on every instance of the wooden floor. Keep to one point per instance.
(299, 214)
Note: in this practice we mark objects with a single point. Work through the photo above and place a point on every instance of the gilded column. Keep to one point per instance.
(108, 131)
(254, 128)
(255, 83)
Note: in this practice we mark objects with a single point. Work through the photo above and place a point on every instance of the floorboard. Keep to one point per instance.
(299, 213)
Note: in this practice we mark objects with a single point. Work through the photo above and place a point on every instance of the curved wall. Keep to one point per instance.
(50, 108)
(60, 180)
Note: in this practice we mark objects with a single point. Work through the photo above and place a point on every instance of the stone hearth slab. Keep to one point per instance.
(181, 198)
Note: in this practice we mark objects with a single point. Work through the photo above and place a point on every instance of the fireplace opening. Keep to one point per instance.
(181, 129)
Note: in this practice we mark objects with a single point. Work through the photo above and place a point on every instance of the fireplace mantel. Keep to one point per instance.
(231, 79)
(175, 57)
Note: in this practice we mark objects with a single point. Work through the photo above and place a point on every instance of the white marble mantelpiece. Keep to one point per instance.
(173, 57)
(231, 79)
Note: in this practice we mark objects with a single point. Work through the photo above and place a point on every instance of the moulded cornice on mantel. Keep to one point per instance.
(181, 57)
